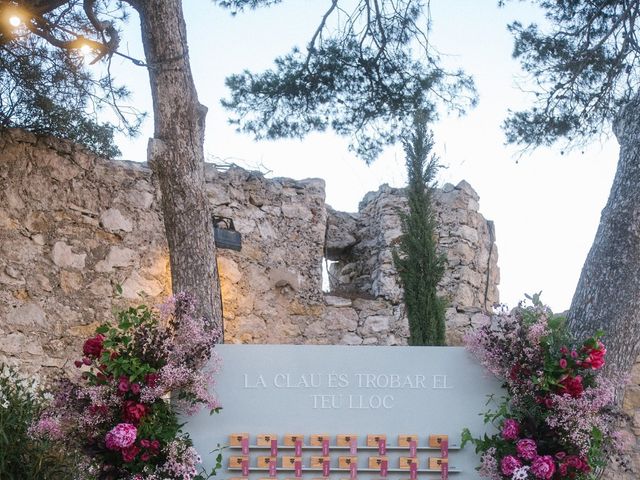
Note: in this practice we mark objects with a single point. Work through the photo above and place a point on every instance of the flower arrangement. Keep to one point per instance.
(557, 418)
(119, 412)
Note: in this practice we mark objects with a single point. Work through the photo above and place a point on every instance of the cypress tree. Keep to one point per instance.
(419, 266)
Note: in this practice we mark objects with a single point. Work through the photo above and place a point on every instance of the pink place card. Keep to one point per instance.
(298, 448)
(444, 448)
(413, 470)
(272, 468)
(353, 470)
(413, 449)
(353, 446)
(245, 467)
(298, 468)
(325, 447)
(325, 468)
(384, 468)
(382, 446)
(245, 446)
(444, 471)
(274, 448)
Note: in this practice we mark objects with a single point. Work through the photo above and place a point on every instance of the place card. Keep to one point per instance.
(245, 467)
(374, 440)
(290, 462)
(264, 462)
(325, 447)
(347, 462)
(317, 438)
(405, 440)
(436, 440)
(272, 468)
(264, 439)
(376, 462)
(413, 471)
(353, 470)
(318, 462)
(346, 440)
(406, 462)
(236, 462)
(444, 471)
(436, 463)
(290, 439)
(235, 439)
(444, 449)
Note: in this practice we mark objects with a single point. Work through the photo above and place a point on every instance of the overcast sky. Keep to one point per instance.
(545, 205)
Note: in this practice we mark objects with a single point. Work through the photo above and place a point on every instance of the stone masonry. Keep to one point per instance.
(74, 226)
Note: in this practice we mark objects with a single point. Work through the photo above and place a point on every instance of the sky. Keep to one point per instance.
(545, 204)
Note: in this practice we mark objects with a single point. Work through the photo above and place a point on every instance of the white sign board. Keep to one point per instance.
(338, 390)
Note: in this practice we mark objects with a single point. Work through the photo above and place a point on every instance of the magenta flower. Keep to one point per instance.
(543, 467)
(510, 429)
(527, 449)
(121, 436)
(123, 384)
(509, 465)
(563, 363)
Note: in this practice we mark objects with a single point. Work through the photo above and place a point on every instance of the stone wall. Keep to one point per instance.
(361, 247)
(73, 227)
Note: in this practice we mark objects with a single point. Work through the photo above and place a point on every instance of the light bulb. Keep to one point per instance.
(85, 50)
(14, 21)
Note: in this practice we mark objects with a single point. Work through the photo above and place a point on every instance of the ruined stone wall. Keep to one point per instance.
(361, 247)
(73, 226)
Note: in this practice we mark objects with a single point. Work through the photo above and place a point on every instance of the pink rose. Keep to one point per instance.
(509, 464)
(595, 357)
(121, 436)
(129, 453)
(543, 467)
(563, 363)
(93, 346)
(133, 411)
(527, 449)
(572, 386)
(135, 388)
(510, 429)
(123, 384)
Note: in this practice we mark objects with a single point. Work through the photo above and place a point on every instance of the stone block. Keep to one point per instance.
(112, 220)
(63, 256)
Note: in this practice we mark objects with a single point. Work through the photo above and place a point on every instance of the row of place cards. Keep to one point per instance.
(379, 463)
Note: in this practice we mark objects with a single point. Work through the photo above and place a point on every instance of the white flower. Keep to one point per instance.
(521, 474)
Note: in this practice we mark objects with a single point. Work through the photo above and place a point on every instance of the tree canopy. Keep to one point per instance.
(44, 87)
(363, 74)
(585, 65)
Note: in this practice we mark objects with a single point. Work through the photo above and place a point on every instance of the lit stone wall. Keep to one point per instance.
(73, 227)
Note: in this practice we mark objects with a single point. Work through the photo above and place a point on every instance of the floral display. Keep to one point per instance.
(136, 376)
(557, 419)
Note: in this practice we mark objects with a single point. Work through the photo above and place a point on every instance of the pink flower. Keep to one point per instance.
(510, 429)
(123, 384)
(121, 436)
(129, 453)
(572, 386)
(151, 379)
(543, 467)
(93, 346)
(133, 411)
(595, 357)
(563, 363)
(527, 449)
(78, 363)
(509, 464)
(135, 388)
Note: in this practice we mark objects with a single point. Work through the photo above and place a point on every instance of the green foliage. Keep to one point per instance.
(48, 90)
(21, 456)
(583, 67)
(364, 80)
(419, 266)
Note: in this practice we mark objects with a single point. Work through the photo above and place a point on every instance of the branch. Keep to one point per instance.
(310, 47)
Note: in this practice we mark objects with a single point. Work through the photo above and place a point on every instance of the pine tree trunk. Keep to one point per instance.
(608, 292)
(175, 154)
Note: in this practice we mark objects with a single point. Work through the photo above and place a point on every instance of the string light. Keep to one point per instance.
(15, 21)
(85, 50)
